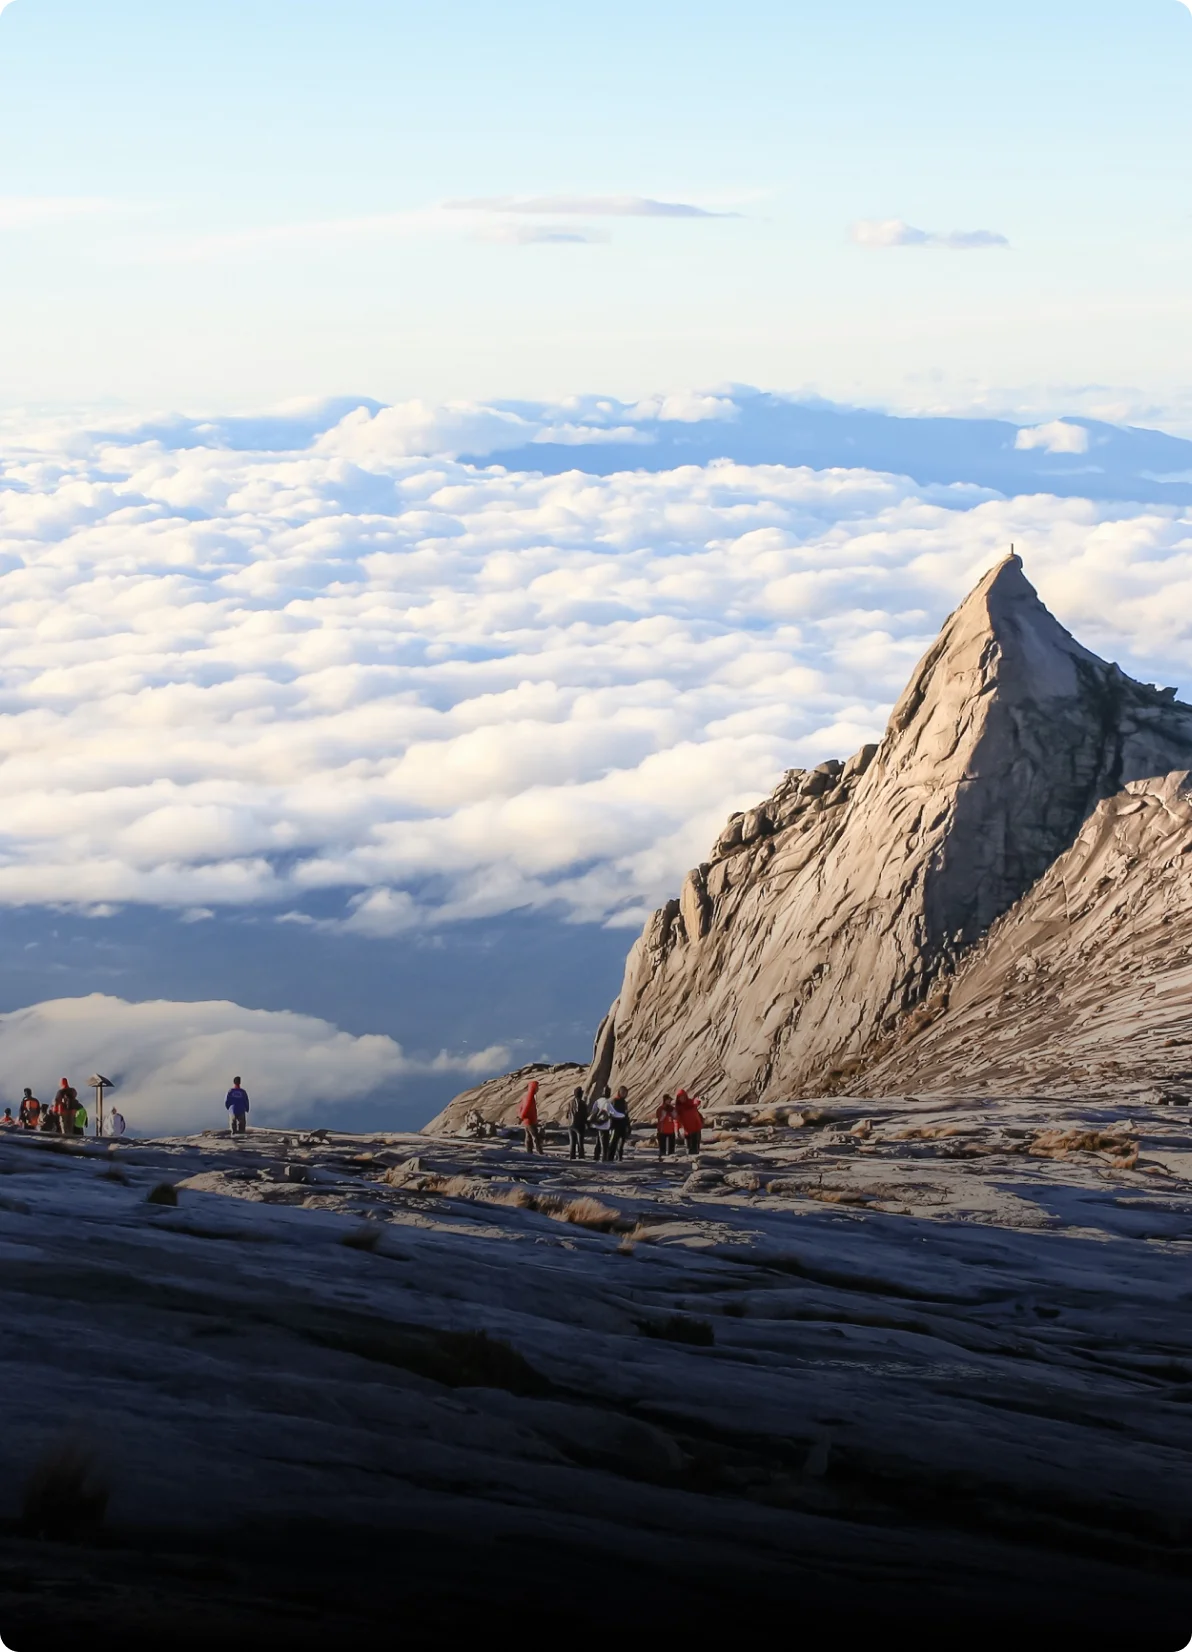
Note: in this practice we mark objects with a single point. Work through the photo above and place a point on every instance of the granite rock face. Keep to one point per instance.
(497, 1100)
(1085, 984)
(845, 900)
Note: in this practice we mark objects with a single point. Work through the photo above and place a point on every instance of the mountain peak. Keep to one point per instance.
(829, 911)
(845, 900)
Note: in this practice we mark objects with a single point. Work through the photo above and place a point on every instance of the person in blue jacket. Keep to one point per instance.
(237, 1106)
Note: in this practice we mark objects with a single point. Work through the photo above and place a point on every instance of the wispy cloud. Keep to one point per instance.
(586, 206)
(527, 235)
(503, 219)
(895, 232)
(30, 211)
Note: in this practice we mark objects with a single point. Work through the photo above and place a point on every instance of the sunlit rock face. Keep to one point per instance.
(1086, 983)
(844, 901)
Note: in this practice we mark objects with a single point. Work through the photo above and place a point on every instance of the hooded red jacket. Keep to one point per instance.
(688, 1114)
(528, 1111)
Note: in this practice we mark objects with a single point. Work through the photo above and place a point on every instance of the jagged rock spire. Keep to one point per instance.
(830, 910)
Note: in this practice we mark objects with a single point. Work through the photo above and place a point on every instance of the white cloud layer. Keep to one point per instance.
(894, 232)
(350, 678)
(1058, 436)
(173, 1063)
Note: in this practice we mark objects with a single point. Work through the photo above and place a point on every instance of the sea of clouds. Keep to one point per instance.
(234, 677)
(343, 684)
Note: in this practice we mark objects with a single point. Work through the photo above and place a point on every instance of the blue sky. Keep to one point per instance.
(233, 203)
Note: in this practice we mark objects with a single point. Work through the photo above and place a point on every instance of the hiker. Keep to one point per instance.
(115, 1124)
(237, 1106)
(80, 1120)
(65, 1104)
(8, 1122)
(691, 1121)
(666, 1127)
(528, 1114)
(618, 1112)
(600, 1123)
(29, 1111)
(577, 1124)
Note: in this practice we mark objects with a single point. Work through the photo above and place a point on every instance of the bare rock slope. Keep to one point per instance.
(1086, 983)
(841, 903)
(497, 1099)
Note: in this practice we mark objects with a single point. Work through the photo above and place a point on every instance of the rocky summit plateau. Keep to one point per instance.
(905, 1352)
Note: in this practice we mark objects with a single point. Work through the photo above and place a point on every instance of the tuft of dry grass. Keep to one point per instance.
(453, 1187)
(584, 1212)
(590, 1213)
(65, 1495)
(114, 1173)
(165, 1193)
(366, 1237)
(928, 1132)
(1119, 1148)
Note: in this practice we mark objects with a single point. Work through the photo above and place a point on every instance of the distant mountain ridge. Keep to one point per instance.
(1119, 463)
(1073, 457)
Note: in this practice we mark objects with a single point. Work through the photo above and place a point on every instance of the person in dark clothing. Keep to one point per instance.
(577, 1124)
(618, 1112)
(237, 1106)
(66, 1105)
(29, 1112)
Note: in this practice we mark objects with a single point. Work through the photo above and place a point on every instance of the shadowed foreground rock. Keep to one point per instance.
(896, 1366)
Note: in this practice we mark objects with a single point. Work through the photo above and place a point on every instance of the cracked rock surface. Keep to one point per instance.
(900, 1356)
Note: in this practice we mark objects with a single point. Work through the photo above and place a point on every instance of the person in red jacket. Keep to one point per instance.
(528, 1114)
(690, 1119)
(665, 1124)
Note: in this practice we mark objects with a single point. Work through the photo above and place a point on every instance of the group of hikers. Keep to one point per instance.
(65, 1116)
(606, 1118)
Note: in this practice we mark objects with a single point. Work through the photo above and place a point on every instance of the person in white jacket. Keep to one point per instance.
(115, 1123)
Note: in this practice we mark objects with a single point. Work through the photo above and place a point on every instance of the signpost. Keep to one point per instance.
(99, 1084)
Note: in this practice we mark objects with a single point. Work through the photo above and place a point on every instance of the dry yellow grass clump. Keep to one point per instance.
(1121, 1149)
(584, 1212)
